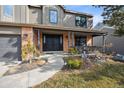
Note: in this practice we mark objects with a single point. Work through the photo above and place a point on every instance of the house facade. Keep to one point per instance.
(49, 28)
(113, 43)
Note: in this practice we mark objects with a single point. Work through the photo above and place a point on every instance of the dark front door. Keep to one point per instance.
(52, 42)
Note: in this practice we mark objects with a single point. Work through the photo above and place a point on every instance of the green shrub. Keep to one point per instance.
(74, 64)
(73, 50)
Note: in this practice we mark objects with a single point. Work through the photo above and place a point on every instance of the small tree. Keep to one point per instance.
(114, 16)
(28, 51)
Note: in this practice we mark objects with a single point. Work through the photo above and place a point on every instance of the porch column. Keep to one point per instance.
(72, 39)
(41, 41)
(65, 42)
(89, 40)
(27, 35)
(38, 39)
(69, 39)
(103, 43)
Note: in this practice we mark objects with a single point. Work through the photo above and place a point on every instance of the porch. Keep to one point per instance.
(61, 40)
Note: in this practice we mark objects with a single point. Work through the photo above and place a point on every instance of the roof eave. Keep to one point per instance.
(74, 12)
(82, 30)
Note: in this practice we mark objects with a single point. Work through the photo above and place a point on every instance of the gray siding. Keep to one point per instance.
(19, 14)
(10, 30)
(0, 13)
(35, 15)
(97, 41)
(116, 43)
(69, 20)
(23, 14)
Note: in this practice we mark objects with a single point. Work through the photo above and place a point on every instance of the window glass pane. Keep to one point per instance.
(53, 16)
(8, 10)
(77, 18)
(81, 21)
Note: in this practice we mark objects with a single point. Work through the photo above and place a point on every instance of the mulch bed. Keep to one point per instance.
(23, 67)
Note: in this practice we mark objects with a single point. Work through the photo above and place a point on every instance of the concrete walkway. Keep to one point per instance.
(33, 77)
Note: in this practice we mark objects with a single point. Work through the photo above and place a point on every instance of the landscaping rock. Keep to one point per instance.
(118, 57)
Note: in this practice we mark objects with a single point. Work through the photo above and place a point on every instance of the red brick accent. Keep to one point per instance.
(89, 40)
(27, 34)
(65, 41)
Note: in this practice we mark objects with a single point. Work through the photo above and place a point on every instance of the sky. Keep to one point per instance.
(96, 12)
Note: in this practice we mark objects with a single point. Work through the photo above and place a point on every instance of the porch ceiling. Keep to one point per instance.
(57, 28)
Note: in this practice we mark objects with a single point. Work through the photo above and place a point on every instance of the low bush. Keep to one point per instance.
(73, 50)
(74, 64)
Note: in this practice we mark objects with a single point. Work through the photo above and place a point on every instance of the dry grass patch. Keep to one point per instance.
(24, 67)
(105, 75)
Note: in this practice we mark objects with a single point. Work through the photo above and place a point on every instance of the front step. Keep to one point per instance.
(54, 52)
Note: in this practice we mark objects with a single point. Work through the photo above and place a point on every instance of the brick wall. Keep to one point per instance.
(65, 41)
(27, 35)
(89, 40)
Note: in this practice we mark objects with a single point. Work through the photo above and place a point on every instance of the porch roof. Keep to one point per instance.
(61, 28)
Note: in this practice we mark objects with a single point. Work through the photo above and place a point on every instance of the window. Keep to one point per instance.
(90, 23)
(8, 10)
(53, 16)
(80, 41)
(81, 21)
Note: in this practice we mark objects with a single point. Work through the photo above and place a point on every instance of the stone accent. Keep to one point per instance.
(27, 35)
(89, 40)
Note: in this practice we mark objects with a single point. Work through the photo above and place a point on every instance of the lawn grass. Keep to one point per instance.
(106, 75)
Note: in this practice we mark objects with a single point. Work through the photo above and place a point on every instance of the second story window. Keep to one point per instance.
(53, 16)
(81, 21)
(8, 10)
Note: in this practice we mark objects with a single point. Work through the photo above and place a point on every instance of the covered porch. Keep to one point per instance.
(62, 40)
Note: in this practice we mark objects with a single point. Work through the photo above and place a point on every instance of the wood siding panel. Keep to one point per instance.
(35, 38)
(41, 41)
